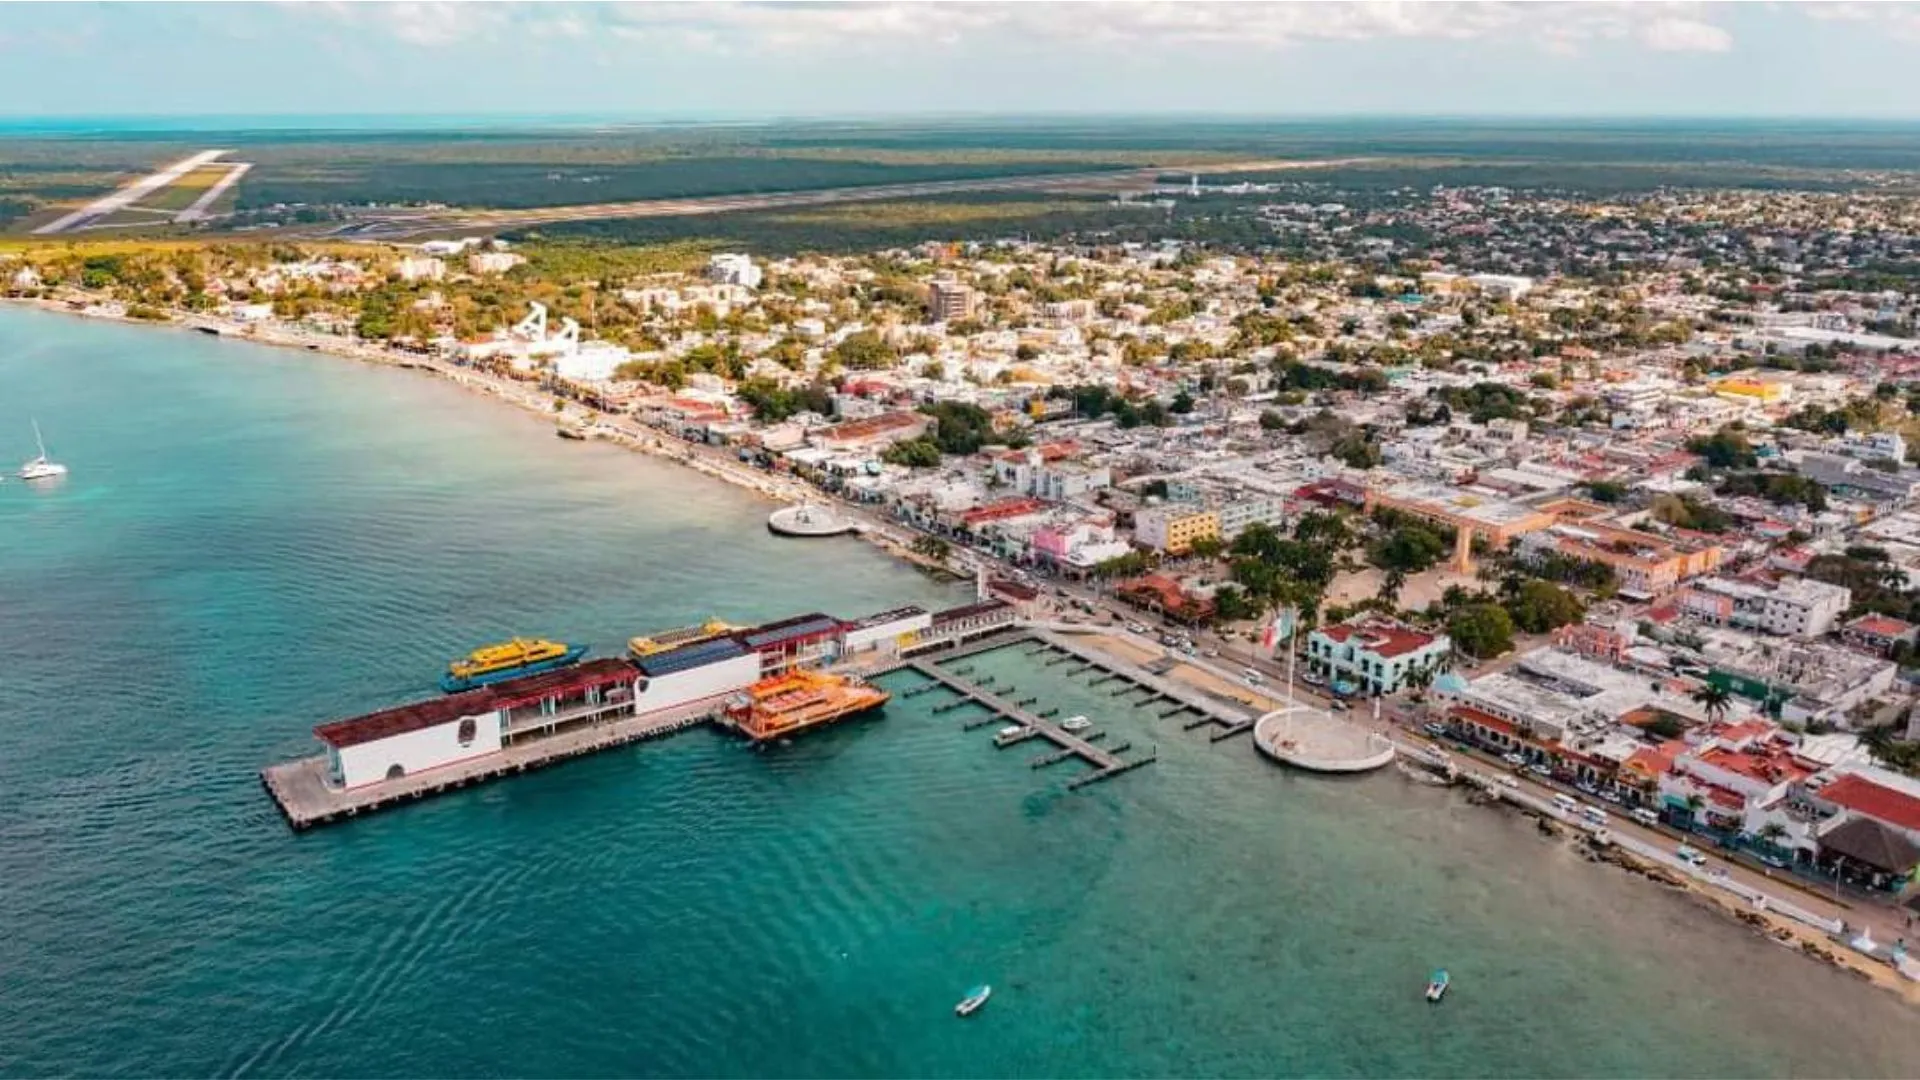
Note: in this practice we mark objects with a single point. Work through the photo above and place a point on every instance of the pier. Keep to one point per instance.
(304, 796)
(1104, 762)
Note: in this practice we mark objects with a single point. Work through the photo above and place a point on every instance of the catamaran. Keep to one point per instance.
(41, 468)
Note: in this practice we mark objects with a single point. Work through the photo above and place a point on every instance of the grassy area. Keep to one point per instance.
(187, 190)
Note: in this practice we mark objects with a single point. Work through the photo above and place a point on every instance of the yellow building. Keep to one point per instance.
(1174, 529)
(1764, 391)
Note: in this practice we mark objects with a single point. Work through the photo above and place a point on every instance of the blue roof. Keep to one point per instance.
(1449, 683)
(699, 654)
(786, 629)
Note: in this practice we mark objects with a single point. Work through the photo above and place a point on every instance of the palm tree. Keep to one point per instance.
(1391, 583)
(1772, 832)
(1695, 804)
(1715, 700)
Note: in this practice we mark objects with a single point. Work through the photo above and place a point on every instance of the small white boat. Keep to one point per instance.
(1010, 731)
(1437, 986)
(1075, 723)
(972, 1003)
(40, 468)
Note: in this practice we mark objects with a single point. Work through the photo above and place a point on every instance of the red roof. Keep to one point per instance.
(1382, 637)
(1766, 768)
(1885, 626)
(1656, 760)
(487, 699)
(1000, 511)
(1863, 796)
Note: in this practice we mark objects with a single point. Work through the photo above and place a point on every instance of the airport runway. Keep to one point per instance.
(403, 224)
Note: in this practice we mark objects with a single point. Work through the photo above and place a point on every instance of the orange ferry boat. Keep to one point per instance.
(800, 699)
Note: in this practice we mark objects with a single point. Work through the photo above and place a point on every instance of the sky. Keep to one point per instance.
(757, 60)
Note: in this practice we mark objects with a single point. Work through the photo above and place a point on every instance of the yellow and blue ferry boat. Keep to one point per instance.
(508, 660)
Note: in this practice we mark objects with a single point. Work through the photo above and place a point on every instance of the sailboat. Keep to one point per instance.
(40, 468)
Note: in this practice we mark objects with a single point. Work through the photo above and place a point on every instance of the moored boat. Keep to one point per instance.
(1437, 986)
(972, 1003)
(508, 660)
(1075, 723)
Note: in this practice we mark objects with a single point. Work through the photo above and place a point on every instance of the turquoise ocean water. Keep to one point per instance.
(257, 540)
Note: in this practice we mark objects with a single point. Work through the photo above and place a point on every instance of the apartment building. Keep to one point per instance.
(1796, 607)
(1173, 529)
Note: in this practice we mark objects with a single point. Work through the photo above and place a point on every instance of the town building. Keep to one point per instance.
(734, 269)
(1879, 634)
(1644, 565)
(1376, 654)
(1471, 515)
(493, 262)
(420, 268)
(1794, 607)
(950, 301)
(1173, 529)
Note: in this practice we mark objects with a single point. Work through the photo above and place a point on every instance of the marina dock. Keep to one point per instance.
(1104, 762)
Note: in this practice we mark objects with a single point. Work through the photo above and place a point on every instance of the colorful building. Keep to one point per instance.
(1174, 529)
(1377, 654)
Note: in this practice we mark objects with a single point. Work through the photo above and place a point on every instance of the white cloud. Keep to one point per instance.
(1685, 35)
(898, 26)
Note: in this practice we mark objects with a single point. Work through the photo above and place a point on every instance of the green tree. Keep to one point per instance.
(865, 350)
(1271, 420)
(921, 453)
(1539, 606)
(933, 548)
(1483, 630)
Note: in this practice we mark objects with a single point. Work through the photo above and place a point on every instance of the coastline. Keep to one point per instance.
(630, 436)
(637, 438)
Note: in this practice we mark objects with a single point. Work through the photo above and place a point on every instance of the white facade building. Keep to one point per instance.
(734, 269)
(421, 268)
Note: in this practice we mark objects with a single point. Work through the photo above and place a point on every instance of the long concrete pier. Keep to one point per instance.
(304, 796)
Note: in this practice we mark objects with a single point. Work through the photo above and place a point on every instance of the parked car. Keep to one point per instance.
(1438, 731)
(1540, 770)
(1137, 628)
(1514, 760)
(1338, 706)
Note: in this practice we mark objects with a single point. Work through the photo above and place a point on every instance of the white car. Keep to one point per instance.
(1136, 628)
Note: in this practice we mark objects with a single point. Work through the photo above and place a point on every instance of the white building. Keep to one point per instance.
(493, 262)
(734, 269)
(1374, 653)
(1503, 286)
(421, 268)
(1795, 607)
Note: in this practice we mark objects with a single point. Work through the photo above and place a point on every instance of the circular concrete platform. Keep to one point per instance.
(1315, 740)
(808, 520)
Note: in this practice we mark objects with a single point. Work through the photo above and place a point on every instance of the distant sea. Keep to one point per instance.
(254, 540)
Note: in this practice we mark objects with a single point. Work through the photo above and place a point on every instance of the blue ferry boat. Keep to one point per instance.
(508, 660)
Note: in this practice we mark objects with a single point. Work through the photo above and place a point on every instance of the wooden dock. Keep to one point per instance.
(304, 796)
